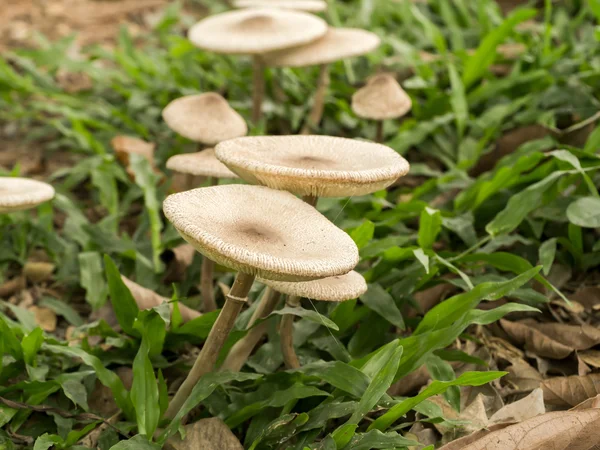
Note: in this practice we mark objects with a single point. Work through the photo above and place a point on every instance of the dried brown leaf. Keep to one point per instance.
(36, 272)
(526, 408)
(178, 260)
(570, 391)
(428, 298)
(124, 146)
(146, 299)
(12, 286)
(210, 433)
(578, 337)
(588, 296)
(535, 341)
(102, 400)
(590, 357)
(410, 382)
(44, 317)
(563, 430)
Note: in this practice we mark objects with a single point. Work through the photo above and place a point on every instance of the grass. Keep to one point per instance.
(490, 208)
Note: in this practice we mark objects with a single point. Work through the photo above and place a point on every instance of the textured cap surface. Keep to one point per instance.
(321, 166)
(298, 5)
(331, 289)
(256, 30)
(338, 43)
(382, 98)
(205, 118)
(17, 194)
(257, 230)
(203, 163)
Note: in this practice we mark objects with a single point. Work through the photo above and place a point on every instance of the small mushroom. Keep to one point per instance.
(297, 5)
(336, 45)
(332, 289)
(313, 166)
(258, 232)
(18, 194)
(382, 98)
(256, 31)
(206, 118)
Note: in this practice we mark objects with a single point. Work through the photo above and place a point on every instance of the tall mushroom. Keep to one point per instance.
(256, 31)
(18, 194)
(208, 119)
(333, 289)
(297, 5)
(380, 99)
(337, 44)
(256, 231)
(312, 167)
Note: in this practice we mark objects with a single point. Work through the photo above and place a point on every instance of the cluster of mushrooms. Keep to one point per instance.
(269, 228)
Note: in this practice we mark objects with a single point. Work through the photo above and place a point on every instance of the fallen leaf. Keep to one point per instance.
(562, 430)
(526, 408)
(146, 299)
(36, 272)
(472, 418)
(177, 261)
(102, 400)
(593, 402)
(206, 434)
(588, 296)
(459, 444)
(578, 337)
(127, 145)
(590, 357)
(535, 341)
(569, 391)
(523, 376)
(410, 382)
(11, 286)
(428, 298)
(44, 317)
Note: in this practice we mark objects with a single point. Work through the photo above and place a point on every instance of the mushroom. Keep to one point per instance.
(256, 31)
(298, 5)
(258, 232)
(206, 118)
(333, 289)
(18, 194)
(337, 44)
(382, 98)
(312, 167)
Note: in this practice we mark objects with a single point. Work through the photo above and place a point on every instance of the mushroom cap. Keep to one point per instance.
(17, 194)
(337, 44)
(203, 163)
(298, 5)
(260, 231)
(256, 30)
(382, 98)
(331, 289)
(321, 166)
(205, 118)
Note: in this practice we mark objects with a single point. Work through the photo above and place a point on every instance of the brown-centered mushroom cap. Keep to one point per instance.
(205, 118)
(298, 5)
(382, 98)
(256, 31)
(17, 194)
(337, 44)
(257, 230)
(332, 289)
(321, 166)
(203, 163)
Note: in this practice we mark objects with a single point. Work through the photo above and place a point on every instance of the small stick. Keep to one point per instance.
(205, 363)
(316, 114)
(258, 87)
(286, 331)
(242, 349)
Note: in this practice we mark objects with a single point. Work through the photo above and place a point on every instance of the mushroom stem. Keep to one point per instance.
(314, 118)
(311, 200)
(205, 363)
(286, 331)
(207, 287)
(258, 87)
(379, 132)
(242, 349)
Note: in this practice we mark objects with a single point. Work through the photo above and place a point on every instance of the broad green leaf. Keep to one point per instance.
(363, 234)
(458, 99)
(90, 265)
(9, 340)
(343, 434)
(430, 225)
(585, 212)
(375, 439)
(477, 65)
(422, 258)
(340, 375)
(379, 300)
(46, 440)
(547, 252)
(124, 305)
(62, 309)
(592, 144)
(435, 388)
(319, 416)
(31, 344)
(138, 442)
(442, 371)
(308, 314)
